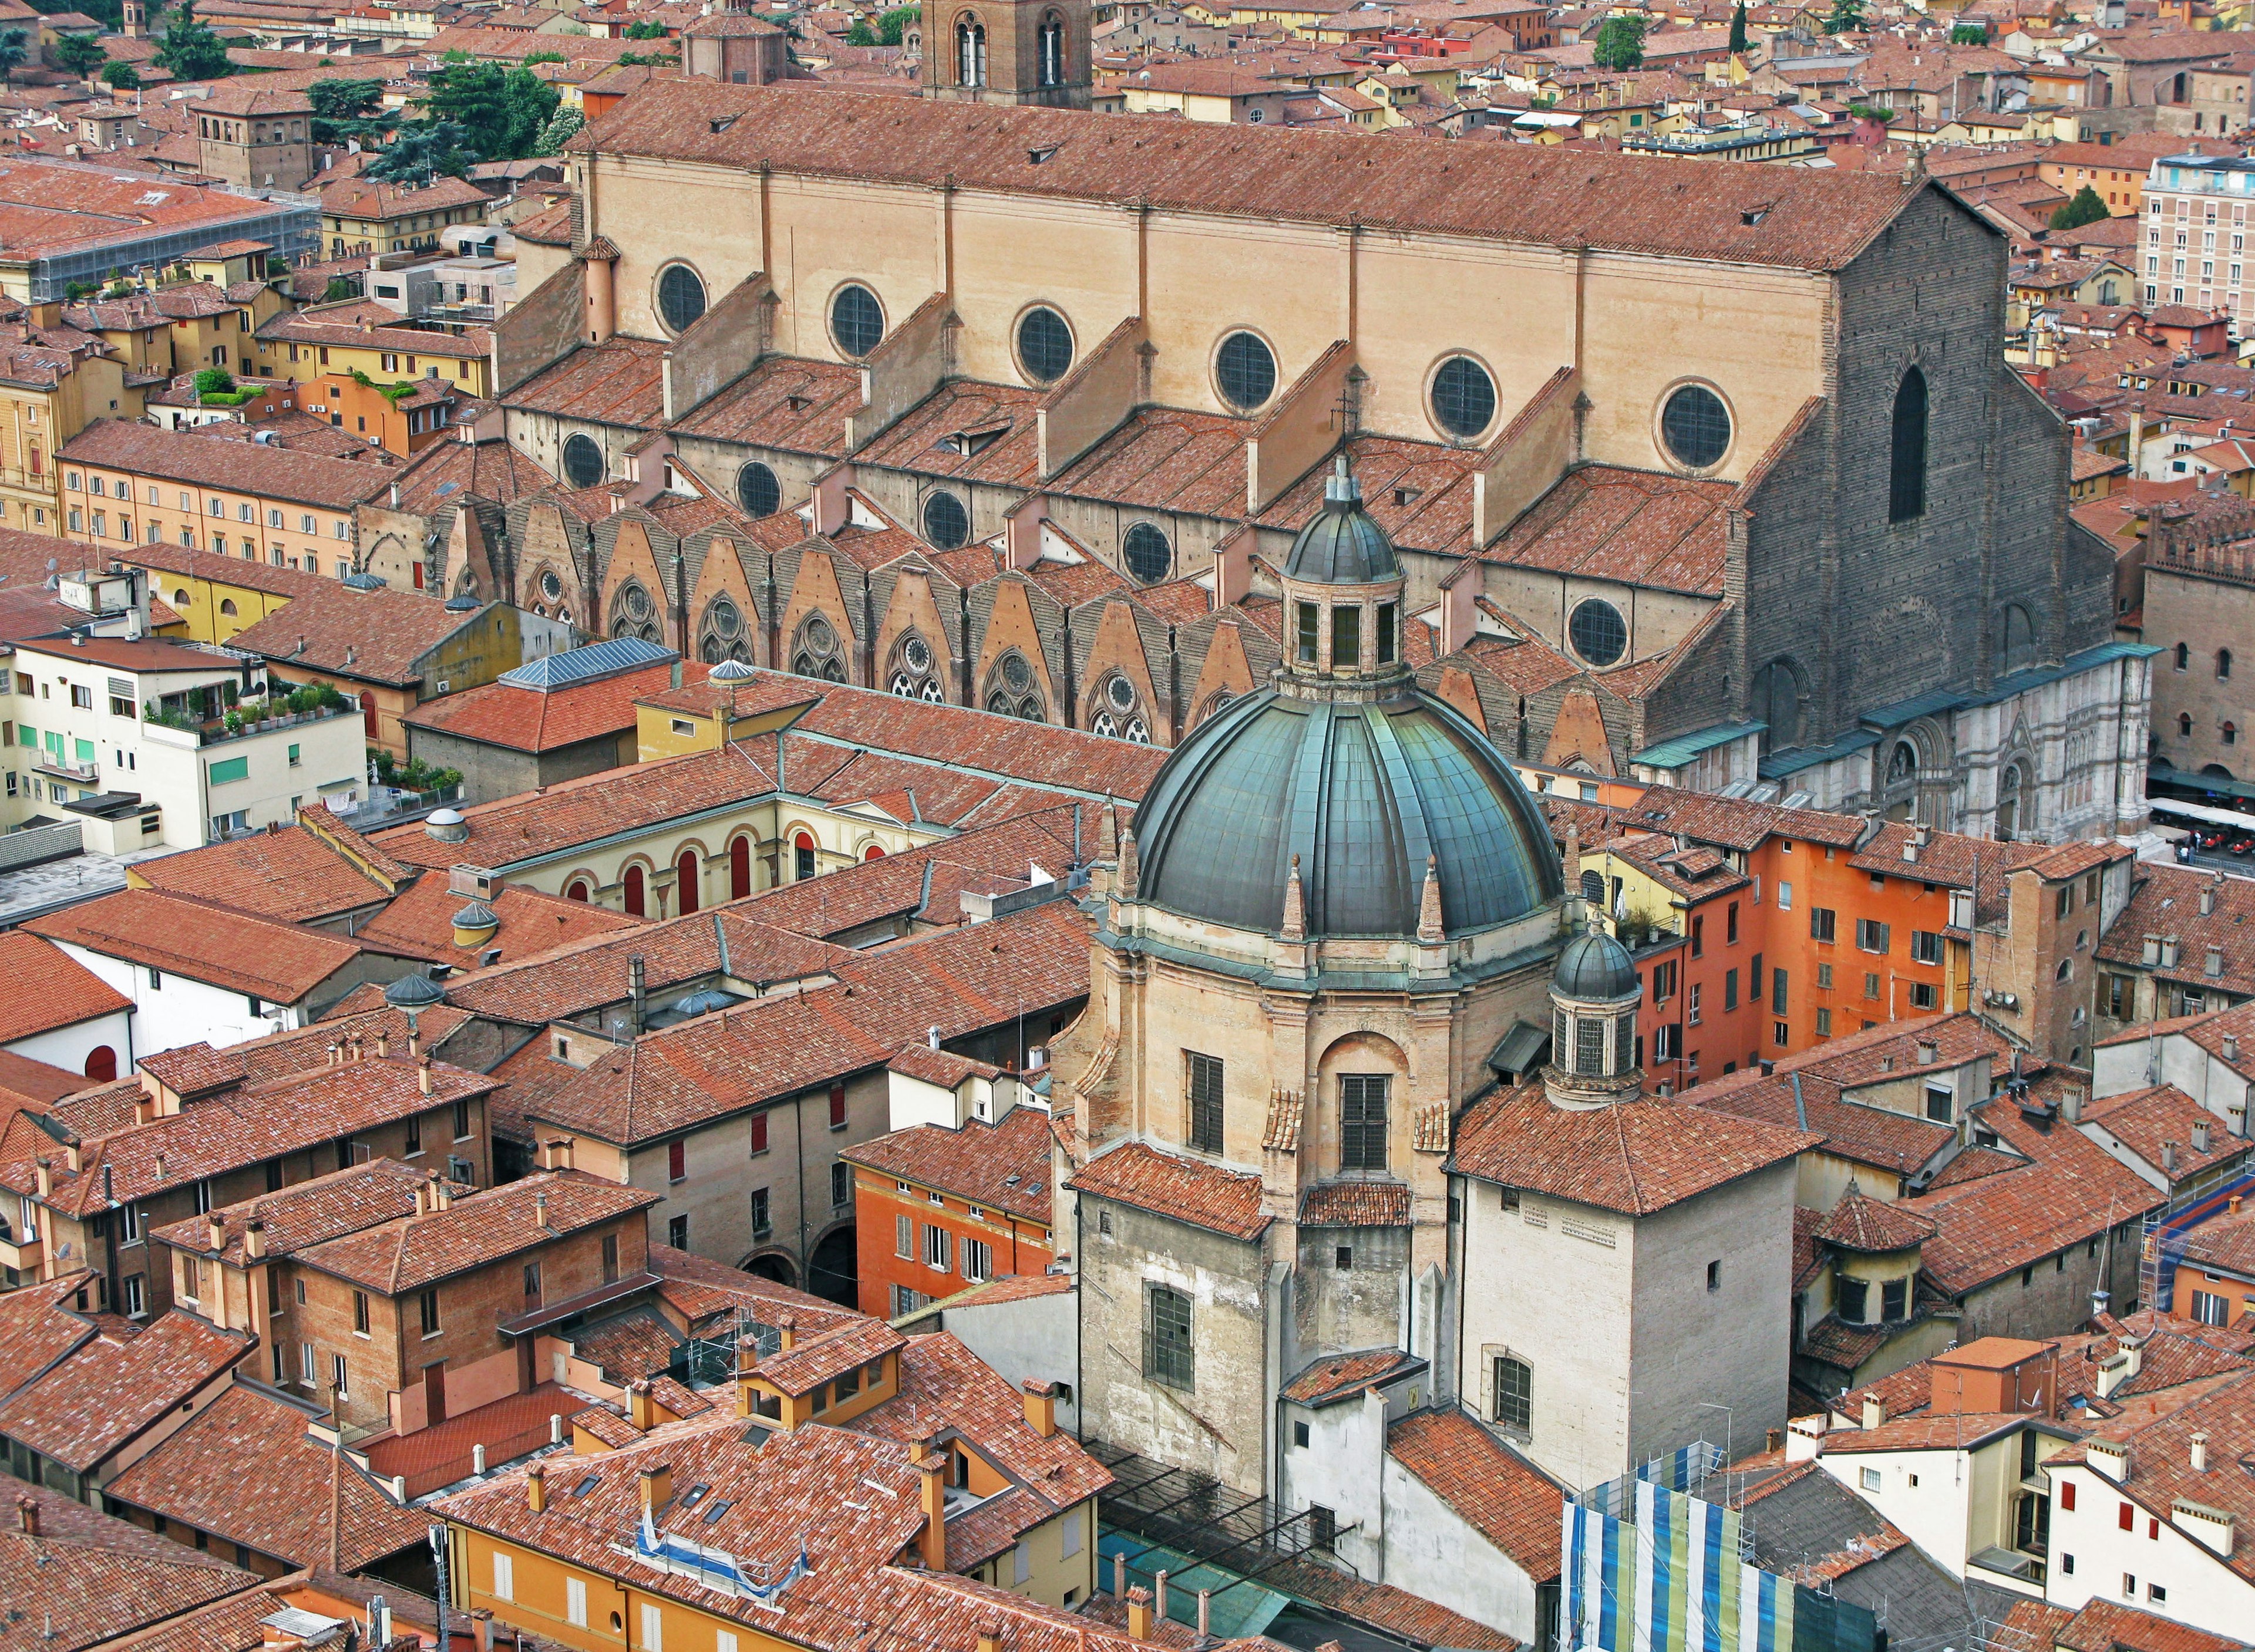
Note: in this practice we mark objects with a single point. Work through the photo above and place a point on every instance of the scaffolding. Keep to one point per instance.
(710, 1360)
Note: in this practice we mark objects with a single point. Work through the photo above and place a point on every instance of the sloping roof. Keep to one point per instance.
(1170, 1185)
(377, 635)
(237, 466)
(307, 1213)
(1506, 1500)
(90, 1576)
(296, 874)
(105, 1394)
(1005, 1164)
(1860, 1222)
(1336, 1376)
(41, 989)
(276, 962)
(409, 1252)
(504, 713)
(39, 1325)
(1510, 192)
(420, 922)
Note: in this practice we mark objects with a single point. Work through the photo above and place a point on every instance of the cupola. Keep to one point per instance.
(1594, 994)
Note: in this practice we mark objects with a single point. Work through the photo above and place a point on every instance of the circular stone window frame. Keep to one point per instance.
(1017, 352)
(1275, 371)
(923, 519)
(1660, 425)
(1574, 648)
(773, 480)
(830, 320)
(564, 452)
(657, 296)
(1127, 565)
(1495, 389)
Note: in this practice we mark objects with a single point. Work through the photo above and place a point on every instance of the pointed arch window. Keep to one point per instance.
(970, 52)
(1907, 473)
(1052, 50)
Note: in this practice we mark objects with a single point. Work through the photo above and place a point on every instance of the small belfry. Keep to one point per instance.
(1594, 993)
(1022, 51)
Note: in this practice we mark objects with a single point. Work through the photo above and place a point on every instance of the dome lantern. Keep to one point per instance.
(1594, 994)
(1343, 588)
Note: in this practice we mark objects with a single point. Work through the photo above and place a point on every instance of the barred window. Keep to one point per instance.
(1589, 1044)
(1514, 1393)
(1168, 1356)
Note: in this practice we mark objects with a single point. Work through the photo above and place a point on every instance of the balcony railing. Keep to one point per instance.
(180, 728)
(76, 773)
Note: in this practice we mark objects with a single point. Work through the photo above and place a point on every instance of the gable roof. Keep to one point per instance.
(1506, 1501)
(91, 1576)
(278, 962)
(1005, 1164)
(106, 1394)
(42, 988)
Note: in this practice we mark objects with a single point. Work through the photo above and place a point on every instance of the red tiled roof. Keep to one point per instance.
(1334, 1377)
(2151, 1123)
(236, 466)
(419, 921)
(409, 1252)
(89, 1577)
(105, 1394)
(1635, 1158)
(41, 989)
(382, 636)
(302, 871)
(1169, 1185)
(814, 1360)
(1504, 1498)
(700, 1287)
(526, 720)
(1005, 1164)
(1860, 1222)
(1356, 1204)
(278, 963)
(39, 1325)
(246, 1471)
(307, 1213)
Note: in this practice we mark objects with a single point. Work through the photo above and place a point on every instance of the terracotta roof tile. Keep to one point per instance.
(92, 1577)
(104, 1395)
(1169, 1185)
(1005, 1164)
(1633, 1158)
(420, 922)
(635, 1344)
(297, 873)
(42, 988)
(814, 1360)
(246, 1471)
(1356, 1204)
(528, 720)
(2154, 1123)
(278, 963)
(2108, 1625)
(2167, 901)
(409, 1252)
(1860, 1222)
(1394, 1612)
(374, 636)
(700, 1288)
(39, 1326)
(617, 381)
(362, 323)
(226, 570)
(1632, 526)
(1336, 1376)
(304, 1214)
(334, 485)
(1504, 1498)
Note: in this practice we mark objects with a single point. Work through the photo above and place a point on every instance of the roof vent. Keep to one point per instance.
(447, 825)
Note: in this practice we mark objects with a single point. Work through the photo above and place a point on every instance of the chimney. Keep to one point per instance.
(2214, 968)
(254, 1239)
(2207, 899)
(45, 1173)
(1159, 1595)
(656, 1487)
(382, 1042)
(2231, 1047)
(932, 1542)
(540, 1210)
(535, 1487)
(145, 1108)
(1041, 1407)
(2152, 951)
(2070, 1105)
(990, 1635)
(482, 1619)
(27, 1515)
(73, 1155)
(2200, 1451)
(932, 1037)
(1910, 849)
(422, 1198)
(1875, 1410)
(2200, 1134)
(642, 1409)
(2168, 1159)
(423, 1074)
(1139, 1613)
(2168, 952)
(1926, 1052)
(635, 994)
(787, 1328)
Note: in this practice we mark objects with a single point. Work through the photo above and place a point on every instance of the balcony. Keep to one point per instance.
(77, 774)
(22, 1257)
(175, 727)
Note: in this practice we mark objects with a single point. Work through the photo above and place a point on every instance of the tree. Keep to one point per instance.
(862, 33)
(2085, 208)
(647, 29)
(80, 54)
(213, 381)
(1969, 34)
(1621, 43)
(422, 152)
(1738, 28)
(191, 49)
(13, 54)
(499, 112)
(893, 24)
(1847, 16)
(346, 110)
(558, 131)
(121, 77)
(645, 60)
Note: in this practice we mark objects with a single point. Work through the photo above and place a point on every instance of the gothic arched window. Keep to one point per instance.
(1906, 468)
(1777, 704)
(1011, 690)
(911, 675)
(970, 52)
(818, 653)
(633, 614)
(725, 637)
(1052, 50)
(2016, 640)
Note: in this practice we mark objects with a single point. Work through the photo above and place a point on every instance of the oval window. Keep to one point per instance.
(857, 320)
(1044, 345)
(1147, 553)
(946, 524)
(1464, 397)
(681, 298)
(1597, 632)
(583, 461)
(1244, 370)
(1695, 426)
(757, 490)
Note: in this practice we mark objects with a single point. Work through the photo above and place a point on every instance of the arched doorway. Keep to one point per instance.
(830, 1273)
(739, 868)
(773, 1267)
(101, 1063)
(686, 877)
(637, 902)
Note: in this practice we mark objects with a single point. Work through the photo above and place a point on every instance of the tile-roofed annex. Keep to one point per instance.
(91, 1578)
(278, 963)
(365, 325)
(1633, 1158)
(245, 1470)
(1860, 1222)
(161, 559)
(811, 1361)
(2200, 910)
(1356, 1204)
(41, 988)
(699, 1288)
(1513, 193)
(1504, 1499)
(105, 1396)
(1607, 523)
(242, 467)
(418, 922)
(524, 720)
(1335, 1377)
(307, 1213)
(40, 1324)
(1170, 1185)
(1005, 1164)
(2163, 1126)
(316, 867)
(2225, 1242)
(378, 636)
(411, 1252)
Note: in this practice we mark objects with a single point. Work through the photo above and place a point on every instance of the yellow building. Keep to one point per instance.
(53, 379)
(360, 335)
(214, 596)
(362, 215)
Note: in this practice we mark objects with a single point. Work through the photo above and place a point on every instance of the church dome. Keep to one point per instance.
(1365, 794)
(1342, 545)
(1593, 968)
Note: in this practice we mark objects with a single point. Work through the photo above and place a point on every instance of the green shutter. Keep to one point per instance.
(233, 768)
(85, 751)
(26, 735)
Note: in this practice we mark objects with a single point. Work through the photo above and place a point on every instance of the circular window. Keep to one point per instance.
(583, 461)
(635, 601)
(724, 617)
(1044, 345)
(946, 524)
(681, 298)
(757, 490)
(1464, 397)
(1016, 672)
(857, 320)
(916, 653)
(1695, 426)
(550, 586)
(1246, 370)
(1147, 552)
(1122, 693)
(1597, 632)
(818, 635)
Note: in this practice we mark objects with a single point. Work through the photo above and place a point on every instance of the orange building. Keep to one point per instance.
(958, 1192)
(403, 418)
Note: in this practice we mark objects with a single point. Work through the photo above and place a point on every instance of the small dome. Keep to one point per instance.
(362, 582)
(1593, 968)
(733, 671)
(1343, 545)
(414, 992)
(446, 825)
(464, 604)
(476, 915)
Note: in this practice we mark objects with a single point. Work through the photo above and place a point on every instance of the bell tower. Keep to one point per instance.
(1026, 52)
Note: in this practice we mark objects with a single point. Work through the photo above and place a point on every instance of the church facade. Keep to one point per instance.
(1713, 475)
